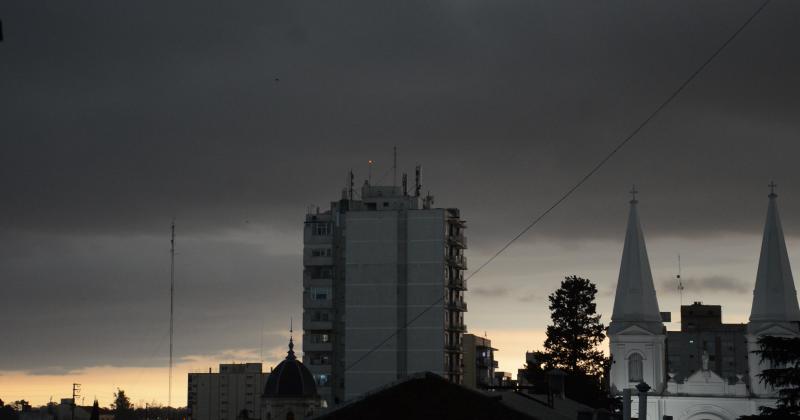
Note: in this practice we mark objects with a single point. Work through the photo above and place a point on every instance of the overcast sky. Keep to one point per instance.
(233, 118)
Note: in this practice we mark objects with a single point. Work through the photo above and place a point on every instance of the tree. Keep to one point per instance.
(123, 409)
(95, 411)
(572, 343)
(573, 338)
(21, 405)
(7, 412)
(784, 355)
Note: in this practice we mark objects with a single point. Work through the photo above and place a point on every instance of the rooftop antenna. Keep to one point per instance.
(369, 175)
(417, 185)
(394, 167)
(680, 282)
(171, 306)
(261, 352)
(405, 184)
(350, 185)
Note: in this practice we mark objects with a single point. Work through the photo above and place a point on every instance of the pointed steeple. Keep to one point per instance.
(774, 297)
(635, 302)
(290, 354)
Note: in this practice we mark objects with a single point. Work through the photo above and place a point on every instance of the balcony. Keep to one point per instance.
(458, 283)
(456, 327)
(456, 221)
(309, 303)
(317, 325)
(316, 282)
(453, 348)
(309, 346)
(458, 261)
(309, 260)
(456, 305)
(458, 240)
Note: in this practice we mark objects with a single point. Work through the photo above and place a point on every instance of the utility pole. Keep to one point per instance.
(76, 392)
(171, 308)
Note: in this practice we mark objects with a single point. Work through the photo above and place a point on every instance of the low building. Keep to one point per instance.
(479, 363)
(228, 394)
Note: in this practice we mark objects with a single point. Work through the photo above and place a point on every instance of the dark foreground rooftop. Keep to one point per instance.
(426, 396)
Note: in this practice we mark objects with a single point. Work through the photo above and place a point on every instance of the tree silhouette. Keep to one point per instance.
(7, 412)
(784, 355)
(123, 409)
(572, 344)
(95, 411)
(576, 333)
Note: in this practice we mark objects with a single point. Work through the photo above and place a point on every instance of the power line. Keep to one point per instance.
(585, 178)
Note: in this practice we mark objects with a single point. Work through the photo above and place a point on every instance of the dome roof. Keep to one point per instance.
(290, 379)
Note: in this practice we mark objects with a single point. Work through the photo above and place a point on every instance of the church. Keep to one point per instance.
(706, 370)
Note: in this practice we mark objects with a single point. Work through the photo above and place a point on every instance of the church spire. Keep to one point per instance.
(635, 302)
(774, 297)
(290, 354)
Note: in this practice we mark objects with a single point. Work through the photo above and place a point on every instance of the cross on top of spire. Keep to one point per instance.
(633, 192)
(772, 186)
(290, 354)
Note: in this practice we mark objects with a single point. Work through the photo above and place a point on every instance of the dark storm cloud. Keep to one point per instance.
(722, 284)
(530, 297)
(490, 292)
(105, 299)
(116, 117)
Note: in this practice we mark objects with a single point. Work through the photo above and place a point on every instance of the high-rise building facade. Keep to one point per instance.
(383, 269)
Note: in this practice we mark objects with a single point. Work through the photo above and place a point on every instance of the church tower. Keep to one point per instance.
(775, 311)
(636, 332)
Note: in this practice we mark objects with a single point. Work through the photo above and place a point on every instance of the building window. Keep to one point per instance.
(320, 293)
(321, 379)
(321, 252)
(320, 316)
(635, 368)
(321, 229)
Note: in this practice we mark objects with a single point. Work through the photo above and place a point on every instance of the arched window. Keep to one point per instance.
(635, 368)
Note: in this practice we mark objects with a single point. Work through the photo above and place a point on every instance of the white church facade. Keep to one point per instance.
(642, 350)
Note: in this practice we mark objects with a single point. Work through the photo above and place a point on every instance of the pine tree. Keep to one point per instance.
(576, 333)
(123, 409)
(95, 411)
(572, 343)
(784, 354)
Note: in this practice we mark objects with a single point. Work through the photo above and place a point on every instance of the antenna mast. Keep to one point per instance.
(171, 306)
(350, 186)
(417, 185)
(394, 167)
(680, 282)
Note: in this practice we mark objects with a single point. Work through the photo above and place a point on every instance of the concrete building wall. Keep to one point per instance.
(479, 363)
(395, 266)
(223, 395)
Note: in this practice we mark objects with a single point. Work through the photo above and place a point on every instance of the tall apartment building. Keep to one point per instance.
(373, 264)
(226, 394)
(703, 333)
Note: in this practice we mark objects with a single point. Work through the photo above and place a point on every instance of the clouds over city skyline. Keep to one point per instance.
(118, 117)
